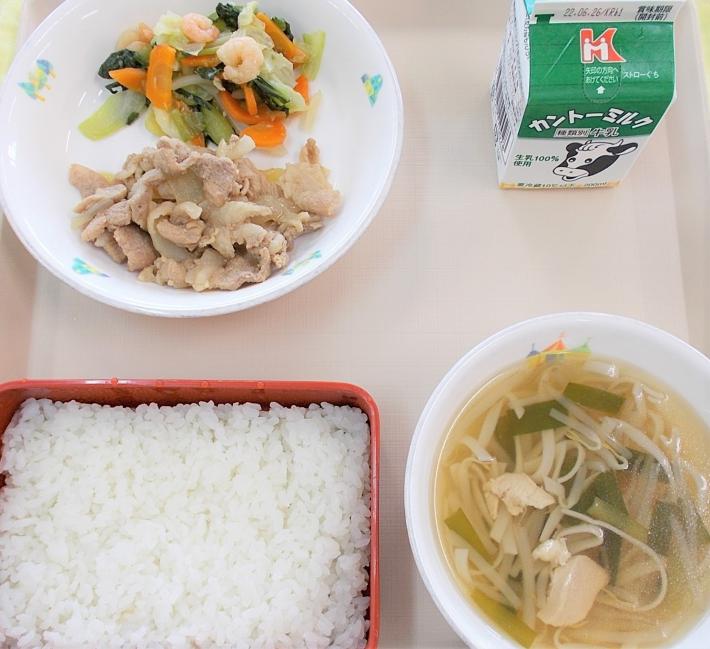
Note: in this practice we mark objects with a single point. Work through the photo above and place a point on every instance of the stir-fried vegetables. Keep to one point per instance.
(228, 14)
(159, 79)
(130, 78)
(120, 59)
(169, 31)
(217, 126)
(151, 124)
(302, 87)
(282, 42)
(278, 96)
(250, 99)
(284, 26)
(219, 59)
(116, 112)
(266, 134)
(236, 110)
(309, 117)
(184, 125)
(314, 45)
(204, 61)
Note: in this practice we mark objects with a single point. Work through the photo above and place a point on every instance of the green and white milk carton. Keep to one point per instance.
(580, 87)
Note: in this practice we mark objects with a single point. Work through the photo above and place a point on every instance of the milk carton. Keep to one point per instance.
(580, 87)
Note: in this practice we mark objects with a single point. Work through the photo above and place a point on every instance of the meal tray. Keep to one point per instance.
(115, 392)
(449, 260)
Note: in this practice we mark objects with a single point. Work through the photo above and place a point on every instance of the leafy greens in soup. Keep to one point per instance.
(572, 504)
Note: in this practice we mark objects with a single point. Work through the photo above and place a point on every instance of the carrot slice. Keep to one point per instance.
(301, 87)
(266, 135)
(159, 79)
(204, 61)
(236, 110)
(282, 42)
(250, 99)
(239, 113)
(197, 140)
(268, 115)
(131, 78)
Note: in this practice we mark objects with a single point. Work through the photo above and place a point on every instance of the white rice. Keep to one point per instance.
(190, 526)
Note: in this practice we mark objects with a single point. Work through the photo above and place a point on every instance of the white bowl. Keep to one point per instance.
(360, 141)
(675, 363)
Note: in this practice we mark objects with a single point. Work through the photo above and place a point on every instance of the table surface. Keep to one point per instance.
(449, 260)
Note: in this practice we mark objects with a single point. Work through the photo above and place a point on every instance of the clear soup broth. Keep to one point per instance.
(572, 505)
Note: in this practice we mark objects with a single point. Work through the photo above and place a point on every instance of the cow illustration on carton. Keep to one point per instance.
(585, 159)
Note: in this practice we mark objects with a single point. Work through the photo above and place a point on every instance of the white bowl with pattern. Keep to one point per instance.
(52, 86)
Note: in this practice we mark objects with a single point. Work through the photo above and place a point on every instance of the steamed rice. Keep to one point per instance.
(187, 526)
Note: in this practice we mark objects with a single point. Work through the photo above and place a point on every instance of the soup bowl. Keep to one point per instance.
(673, 362)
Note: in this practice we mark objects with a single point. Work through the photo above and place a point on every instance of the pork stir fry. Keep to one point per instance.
(186, 216)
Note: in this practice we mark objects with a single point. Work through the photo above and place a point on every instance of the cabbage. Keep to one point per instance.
(279, 76)
(199, 275)
(217, 127)
(152, 124)
(212, 47)
(168, 30)
(277, 67)
(247, 16)
(252, 27)
(165, 123)
(236, 213)
(175, 123)
(161, 244)
(190, 80)
(278, 96)
(186, 187)
(115, 113)
(309, 117)
(258, 33)
(314, 44)
(235, 148)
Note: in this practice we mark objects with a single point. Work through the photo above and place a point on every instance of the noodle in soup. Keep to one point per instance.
(572, 505)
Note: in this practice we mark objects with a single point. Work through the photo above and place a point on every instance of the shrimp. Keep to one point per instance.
(135, 38)
(199, 28)
(145, 33)
(242, 58)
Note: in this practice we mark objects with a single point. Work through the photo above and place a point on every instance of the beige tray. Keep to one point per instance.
(449, 260)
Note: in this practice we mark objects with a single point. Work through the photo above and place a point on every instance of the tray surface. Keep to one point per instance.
(449, 260)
